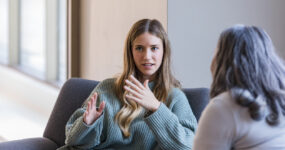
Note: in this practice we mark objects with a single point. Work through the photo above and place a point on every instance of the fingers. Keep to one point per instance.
(88, 108)
(101, 107)
(91, 105)
(132, 85)
(132, 92)
(91, 114)
(130, 97)
(95, 95)
(84, 115)
(146, 84)
(94, 101)
(136, 82)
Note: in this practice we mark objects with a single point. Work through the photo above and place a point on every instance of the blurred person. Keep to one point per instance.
(247, 106)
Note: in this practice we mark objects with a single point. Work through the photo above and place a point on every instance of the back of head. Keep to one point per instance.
(246, 64)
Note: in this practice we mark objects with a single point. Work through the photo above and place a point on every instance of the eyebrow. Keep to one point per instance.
(143, 45)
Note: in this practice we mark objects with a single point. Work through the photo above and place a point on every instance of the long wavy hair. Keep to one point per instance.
(246, 65)
(163, 81)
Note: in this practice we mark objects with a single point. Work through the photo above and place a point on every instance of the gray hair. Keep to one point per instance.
(246, 64)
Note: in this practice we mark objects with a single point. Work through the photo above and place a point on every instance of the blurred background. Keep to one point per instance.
(43, 43)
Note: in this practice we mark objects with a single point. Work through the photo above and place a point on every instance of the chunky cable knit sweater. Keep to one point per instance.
(171, 127)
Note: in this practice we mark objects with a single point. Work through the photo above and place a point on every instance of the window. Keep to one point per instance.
(37, 37)
(4, 31)
(32, 37)
(62, 71)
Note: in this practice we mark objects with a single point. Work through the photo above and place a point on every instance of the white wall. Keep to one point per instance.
(194, 27)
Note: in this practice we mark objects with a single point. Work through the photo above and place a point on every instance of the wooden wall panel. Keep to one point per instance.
(104, 27)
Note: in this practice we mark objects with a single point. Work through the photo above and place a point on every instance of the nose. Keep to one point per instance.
(147, 54)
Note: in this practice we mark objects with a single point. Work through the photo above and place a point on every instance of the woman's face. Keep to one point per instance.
(147, 53)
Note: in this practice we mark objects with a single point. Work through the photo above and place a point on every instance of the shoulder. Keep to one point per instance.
(226, 106)
(224, 100)
(104, 88)
(217, 123)
(176, 95)
(107, 81)
(106, 85)
(222, 107)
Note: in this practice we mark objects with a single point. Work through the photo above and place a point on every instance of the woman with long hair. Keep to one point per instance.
(247, 107)
(144, 108)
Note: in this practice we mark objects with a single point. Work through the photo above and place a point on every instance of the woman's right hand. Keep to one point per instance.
(92, 114)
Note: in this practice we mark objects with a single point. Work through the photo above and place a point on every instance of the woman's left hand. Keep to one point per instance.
(141, 94)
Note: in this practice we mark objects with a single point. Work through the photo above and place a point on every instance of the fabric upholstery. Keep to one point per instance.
(198, 99)
(29, 144)
(71, 97)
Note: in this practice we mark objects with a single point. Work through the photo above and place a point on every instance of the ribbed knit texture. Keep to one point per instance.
(171, 127)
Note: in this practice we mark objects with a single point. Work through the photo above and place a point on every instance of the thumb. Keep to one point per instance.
(146, 84)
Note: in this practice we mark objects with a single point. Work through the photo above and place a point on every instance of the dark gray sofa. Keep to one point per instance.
(71, 97)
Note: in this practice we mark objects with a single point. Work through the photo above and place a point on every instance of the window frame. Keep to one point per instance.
(51, 46)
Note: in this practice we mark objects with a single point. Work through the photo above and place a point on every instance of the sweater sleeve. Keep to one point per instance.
(174, 128)
(80, 135)
(216, 127)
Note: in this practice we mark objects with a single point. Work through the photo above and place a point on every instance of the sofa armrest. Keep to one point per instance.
(29, 144)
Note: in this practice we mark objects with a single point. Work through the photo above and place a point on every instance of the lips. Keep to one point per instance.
(148, 65)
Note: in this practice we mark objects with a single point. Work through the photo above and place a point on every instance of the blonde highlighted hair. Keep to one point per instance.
(163, 81)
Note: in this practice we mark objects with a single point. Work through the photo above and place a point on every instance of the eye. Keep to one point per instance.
(154, 48)
(139, 48)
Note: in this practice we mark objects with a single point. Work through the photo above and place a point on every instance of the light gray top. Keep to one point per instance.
(170, 127)
(225, 125)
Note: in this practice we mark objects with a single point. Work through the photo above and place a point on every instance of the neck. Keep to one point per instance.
(150, 78)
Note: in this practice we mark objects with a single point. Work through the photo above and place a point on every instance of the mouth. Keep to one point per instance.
(148, 64)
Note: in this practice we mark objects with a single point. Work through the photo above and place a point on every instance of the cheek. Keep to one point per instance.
(136, 58)
(160, 56)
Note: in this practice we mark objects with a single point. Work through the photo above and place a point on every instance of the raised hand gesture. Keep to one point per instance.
(141, 94)
(92, 114)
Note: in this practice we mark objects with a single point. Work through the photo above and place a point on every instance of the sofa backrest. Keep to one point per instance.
(198, 98)
(75, 91)
(71, 96)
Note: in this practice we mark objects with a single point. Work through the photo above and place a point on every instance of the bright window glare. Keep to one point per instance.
(13, 114)
(32, 36)
(62, 42)
(3, 31)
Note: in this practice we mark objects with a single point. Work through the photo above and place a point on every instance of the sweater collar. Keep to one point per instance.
(151, 85)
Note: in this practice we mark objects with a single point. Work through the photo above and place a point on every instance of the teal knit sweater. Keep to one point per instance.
(171, 127)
